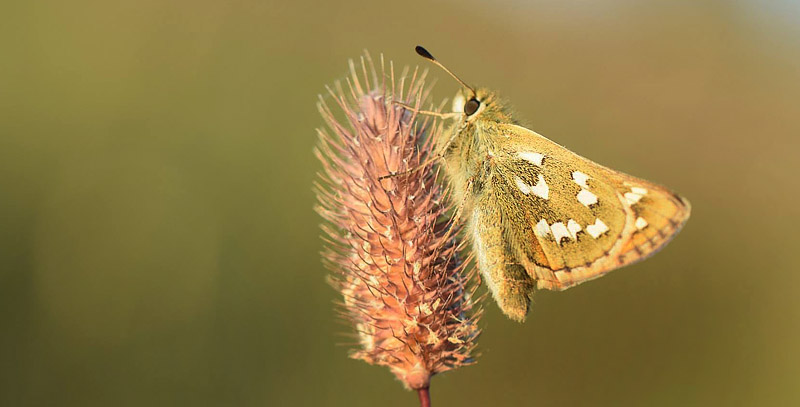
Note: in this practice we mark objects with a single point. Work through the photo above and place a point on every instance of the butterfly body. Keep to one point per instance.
(541, 216)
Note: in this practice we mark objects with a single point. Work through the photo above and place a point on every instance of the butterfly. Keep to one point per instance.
(540, 216)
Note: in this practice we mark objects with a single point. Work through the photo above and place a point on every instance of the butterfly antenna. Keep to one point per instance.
(427, 55)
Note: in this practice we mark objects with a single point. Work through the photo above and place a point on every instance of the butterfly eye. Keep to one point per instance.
(472, 106)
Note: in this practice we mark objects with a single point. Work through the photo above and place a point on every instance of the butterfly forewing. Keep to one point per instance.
(569, 219)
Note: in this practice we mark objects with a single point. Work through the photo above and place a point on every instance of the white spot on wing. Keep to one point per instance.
(540, 189)
(635, 195)
(533, 158)
(580, 178)
(587, 198)
(632, 197)
(573, 228)
(542, 228)
(559, 231)
(640, 223)
(597, 229)
(525, 188)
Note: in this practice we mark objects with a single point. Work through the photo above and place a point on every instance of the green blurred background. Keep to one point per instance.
(158, 247)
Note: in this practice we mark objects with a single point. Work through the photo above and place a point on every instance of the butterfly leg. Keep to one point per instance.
(440, 115)
(410, 170)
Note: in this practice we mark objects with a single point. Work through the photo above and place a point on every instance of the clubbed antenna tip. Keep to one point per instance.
(424, 53)
(427, 55)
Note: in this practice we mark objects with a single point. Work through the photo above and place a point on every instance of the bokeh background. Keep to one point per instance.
(158, 246)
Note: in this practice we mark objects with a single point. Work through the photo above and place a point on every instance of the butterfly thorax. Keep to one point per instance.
(467, 150)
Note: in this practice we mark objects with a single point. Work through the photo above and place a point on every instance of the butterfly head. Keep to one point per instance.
(481, 103)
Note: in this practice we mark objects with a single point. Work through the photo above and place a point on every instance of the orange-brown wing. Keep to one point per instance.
(570, 220)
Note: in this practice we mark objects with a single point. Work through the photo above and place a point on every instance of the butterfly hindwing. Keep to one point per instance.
(508, 280)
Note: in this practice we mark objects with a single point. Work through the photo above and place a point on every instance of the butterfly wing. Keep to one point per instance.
(569, 220)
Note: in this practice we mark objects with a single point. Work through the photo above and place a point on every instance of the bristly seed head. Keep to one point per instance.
(389, 245)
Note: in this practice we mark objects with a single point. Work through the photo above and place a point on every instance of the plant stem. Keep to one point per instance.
(424, 397)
